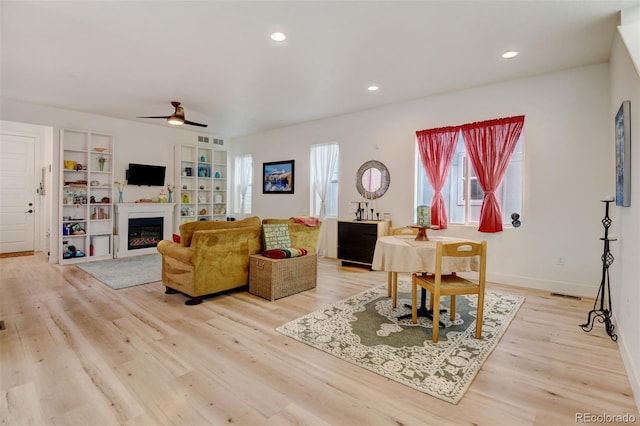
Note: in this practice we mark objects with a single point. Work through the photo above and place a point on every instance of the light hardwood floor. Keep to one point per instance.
(75, 352)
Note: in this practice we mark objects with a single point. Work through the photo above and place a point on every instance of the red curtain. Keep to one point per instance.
(436, 147)
(490, 145)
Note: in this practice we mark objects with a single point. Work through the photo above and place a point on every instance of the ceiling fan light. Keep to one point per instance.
(278, 36)
(175, 121)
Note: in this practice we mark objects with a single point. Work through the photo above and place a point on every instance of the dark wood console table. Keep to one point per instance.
(357, 241)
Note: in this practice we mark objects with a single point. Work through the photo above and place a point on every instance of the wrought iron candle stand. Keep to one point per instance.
(602, 309)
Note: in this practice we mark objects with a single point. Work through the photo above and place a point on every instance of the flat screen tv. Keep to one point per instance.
(145, 175)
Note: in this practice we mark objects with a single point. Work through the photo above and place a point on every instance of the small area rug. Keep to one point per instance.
(364, 330)
(126, 272)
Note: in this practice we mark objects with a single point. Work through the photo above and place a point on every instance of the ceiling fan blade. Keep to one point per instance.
(177, 117)
(194, 124)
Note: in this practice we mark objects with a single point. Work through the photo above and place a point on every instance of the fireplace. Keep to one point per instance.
(144, 232)
(140, 226)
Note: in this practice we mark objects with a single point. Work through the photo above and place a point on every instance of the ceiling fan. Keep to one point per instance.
(177, 118)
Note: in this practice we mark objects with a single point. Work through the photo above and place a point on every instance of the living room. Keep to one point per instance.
(569, 168)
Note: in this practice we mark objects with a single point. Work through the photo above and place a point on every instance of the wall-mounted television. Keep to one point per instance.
(145, 175)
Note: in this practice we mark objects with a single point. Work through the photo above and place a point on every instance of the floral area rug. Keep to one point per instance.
(365, 331)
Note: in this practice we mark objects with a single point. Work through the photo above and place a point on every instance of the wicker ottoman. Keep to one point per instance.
(276, 278)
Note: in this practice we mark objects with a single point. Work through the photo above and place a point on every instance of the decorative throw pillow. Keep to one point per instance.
(176, 238)
(275, 236)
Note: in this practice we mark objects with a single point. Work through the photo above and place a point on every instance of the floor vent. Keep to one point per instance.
(566, 296)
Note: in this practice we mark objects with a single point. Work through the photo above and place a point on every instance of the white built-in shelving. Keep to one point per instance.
(201, 189)
(86, 205)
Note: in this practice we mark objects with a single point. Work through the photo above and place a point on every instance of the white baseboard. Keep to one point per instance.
(631, 364)
(560, 287)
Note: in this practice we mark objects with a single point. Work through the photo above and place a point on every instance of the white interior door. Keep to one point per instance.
(17, 192)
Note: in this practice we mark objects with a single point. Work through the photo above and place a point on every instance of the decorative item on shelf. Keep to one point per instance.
(203, 158)
(95, 183)
(188, 171)
(217, 198)
(203, 212)
(120, 187)
(105, 200)
(170, 189)
(76, 229)
(70, 197)
(78, 167)
(101, 161)
(162, 196)
(81, 197)
(201, 186)
(204, 171)
(69, 165)
(100, 149)
(217, 175)
(185, 187)
(92, 199)
(217, 188)
(202, 199)
(185, 198)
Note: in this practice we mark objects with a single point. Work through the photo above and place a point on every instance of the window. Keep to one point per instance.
(324, 162)
(462, 192)
(243, 176)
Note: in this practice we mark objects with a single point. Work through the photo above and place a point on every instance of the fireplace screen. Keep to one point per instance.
(145, 232)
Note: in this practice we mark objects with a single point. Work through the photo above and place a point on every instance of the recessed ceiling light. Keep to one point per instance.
(372, 88)
(278, 36)
(510, 54)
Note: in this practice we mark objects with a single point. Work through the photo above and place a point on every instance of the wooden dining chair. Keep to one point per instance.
(392, 282)
(451, 285)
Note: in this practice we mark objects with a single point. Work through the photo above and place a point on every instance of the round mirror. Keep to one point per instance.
(372, 180)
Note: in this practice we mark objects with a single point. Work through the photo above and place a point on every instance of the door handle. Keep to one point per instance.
(29, 211)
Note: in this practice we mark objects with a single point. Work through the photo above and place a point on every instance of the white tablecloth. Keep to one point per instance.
(400, 253)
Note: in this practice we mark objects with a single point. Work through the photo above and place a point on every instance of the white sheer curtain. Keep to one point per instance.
(244, 165)
(323, 161)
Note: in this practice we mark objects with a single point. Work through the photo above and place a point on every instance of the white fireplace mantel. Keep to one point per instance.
(126, 211)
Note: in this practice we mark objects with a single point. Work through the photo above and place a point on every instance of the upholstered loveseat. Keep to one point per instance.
(213, 256)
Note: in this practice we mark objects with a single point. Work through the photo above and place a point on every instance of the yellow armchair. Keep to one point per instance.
(212, 256)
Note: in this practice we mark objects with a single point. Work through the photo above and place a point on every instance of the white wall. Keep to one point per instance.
(134, 143)
(625, 270)
(566, 169)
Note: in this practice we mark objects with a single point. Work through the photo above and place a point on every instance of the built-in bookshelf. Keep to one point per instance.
(201, 184)
(86, 205)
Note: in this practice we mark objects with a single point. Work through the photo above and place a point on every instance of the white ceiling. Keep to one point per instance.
(127, 59)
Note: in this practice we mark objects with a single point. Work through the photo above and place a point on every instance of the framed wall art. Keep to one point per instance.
(278, 177)
(623, 155)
